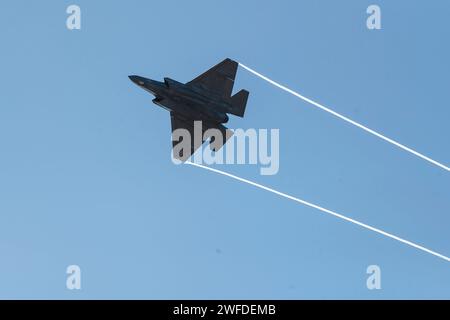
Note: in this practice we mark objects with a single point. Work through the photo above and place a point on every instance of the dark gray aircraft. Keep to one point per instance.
(207, 98)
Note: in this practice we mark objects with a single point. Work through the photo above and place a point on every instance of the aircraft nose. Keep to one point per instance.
(137, 80)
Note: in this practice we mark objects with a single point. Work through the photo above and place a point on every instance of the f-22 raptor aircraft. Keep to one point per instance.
(207, 98)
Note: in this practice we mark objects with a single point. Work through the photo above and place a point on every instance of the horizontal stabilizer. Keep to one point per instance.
(238, 103)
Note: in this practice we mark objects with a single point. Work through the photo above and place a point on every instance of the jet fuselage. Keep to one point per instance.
(207, 98)
(191, 101)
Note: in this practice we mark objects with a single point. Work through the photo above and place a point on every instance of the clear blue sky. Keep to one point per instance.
(86, 177)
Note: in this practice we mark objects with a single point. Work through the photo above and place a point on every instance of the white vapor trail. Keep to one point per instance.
(320, 106)
(333, 213)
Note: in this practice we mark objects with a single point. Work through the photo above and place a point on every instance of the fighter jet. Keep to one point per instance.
(207, 98)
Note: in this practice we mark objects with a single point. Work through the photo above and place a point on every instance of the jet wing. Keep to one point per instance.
(219, 78)
(179, 122)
